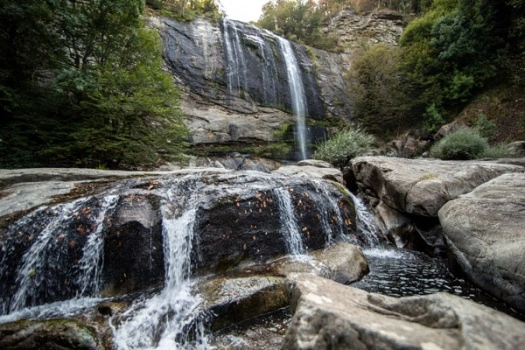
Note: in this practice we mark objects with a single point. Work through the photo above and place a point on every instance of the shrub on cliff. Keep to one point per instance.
(344, 146)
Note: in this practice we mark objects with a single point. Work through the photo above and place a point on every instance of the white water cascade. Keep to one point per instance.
(366, 226)
(175, 316)
(167, 320)
(45, 254)
(298, 96)
(294, 242)
(236, 68)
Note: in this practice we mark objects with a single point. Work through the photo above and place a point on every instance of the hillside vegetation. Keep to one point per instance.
(455, 58)
(82, 84)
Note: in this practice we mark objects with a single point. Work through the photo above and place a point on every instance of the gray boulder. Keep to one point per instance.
(422, 186)
(328, 315)
(485, 234)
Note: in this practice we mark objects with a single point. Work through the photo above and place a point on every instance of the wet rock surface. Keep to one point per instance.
(329, 315)
(239, 218)
(52, 334)
(485, 236)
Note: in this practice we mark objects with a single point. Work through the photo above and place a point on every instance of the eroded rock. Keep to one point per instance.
(485, 235)
(51, 334)
(328, 315)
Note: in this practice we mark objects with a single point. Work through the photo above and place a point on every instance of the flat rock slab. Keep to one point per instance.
(51, 334)
(311, 171)
(25, 189)
(485, 232)
(329, 315)
(422, 186)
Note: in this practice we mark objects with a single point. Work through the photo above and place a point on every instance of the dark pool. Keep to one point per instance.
(397, 272)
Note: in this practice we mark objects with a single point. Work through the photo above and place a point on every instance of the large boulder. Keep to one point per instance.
(51, 334)
(485, 233)
(328, 315)
(254, 290)
(312, 171)
(112, 242)
(422, 186)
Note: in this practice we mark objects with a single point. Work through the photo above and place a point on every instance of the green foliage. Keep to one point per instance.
(343, 146)
(455, 49)
(297, 20)
(485, 126)
(107, 102)
(463, 144)
(501, 150)
(376, 89)
(186, 10)
(432, 119)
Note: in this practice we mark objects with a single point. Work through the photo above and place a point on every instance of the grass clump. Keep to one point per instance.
(343, 146)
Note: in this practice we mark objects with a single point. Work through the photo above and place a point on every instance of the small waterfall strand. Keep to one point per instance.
(288, 220)
(167, 320)
(45, 253)
(298, 96)
(326, 204)
(366, 227)
(89, 264)
(236, 64)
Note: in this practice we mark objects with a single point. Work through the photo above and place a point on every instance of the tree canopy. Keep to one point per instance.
(81, 84)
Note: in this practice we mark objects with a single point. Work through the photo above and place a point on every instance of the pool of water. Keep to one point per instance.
(397, 272)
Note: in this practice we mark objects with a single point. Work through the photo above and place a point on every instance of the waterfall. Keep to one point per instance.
(168, 319)
(60, 249)
(298, 96)
(328, 208)
(366, 226)
(44, 259)
(288, 220)
(236, 64)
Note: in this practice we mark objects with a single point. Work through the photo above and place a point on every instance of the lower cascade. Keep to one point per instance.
(192, 261)
(144, 250)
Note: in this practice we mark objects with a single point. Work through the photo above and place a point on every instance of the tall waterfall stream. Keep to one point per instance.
(173, 317)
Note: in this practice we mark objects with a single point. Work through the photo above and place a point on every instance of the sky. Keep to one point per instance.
(243, 10)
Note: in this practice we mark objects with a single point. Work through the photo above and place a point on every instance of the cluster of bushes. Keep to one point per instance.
(343, 146)
(448, 55)
(186, 10)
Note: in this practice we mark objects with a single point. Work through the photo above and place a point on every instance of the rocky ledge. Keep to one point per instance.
(485, 235)
(328, 315)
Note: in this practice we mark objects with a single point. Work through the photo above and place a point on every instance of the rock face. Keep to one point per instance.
(400, 188)
(250, 291)
(375, 27)
(112, 241)
(328, 315)
(52, 334)
(485, 234)
(235, 79)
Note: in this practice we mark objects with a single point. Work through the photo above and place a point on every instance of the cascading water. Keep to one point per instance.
(236, 67)
(366, 227)
(237, 37)
(295, 83)
(166, 320)
(294, 240)
(298, 214)
(36, 277)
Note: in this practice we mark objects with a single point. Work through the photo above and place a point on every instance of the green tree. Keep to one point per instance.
(298, 21)
(102, 97)
(376, 89)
